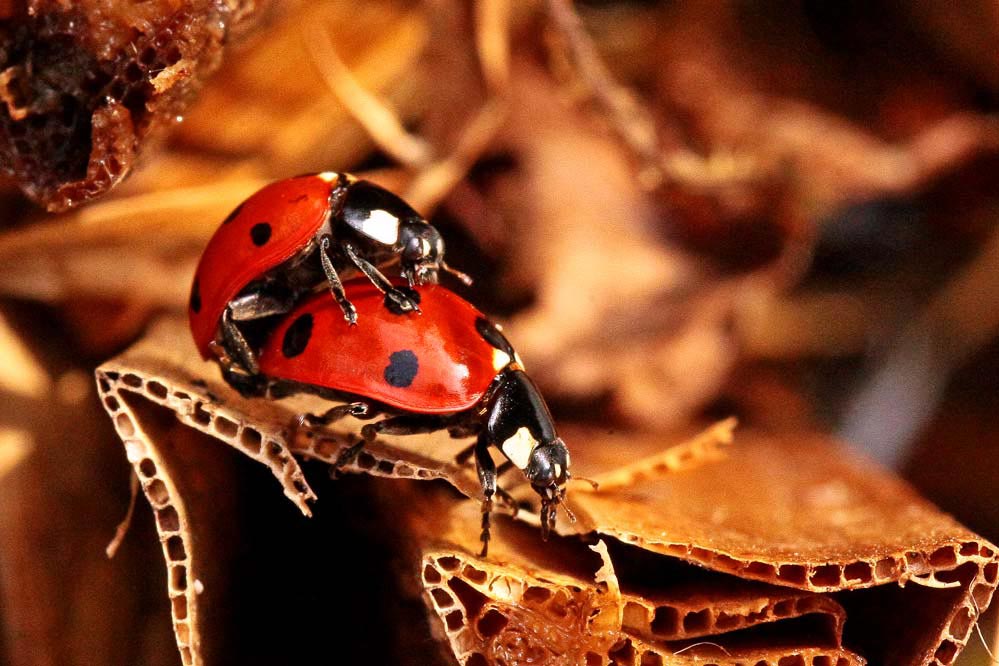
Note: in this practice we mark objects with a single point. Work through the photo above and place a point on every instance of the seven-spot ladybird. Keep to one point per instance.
(450, 368)
(294, 236)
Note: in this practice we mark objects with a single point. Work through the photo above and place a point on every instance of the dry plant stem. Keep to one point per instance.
(434, 176)
(126, 522)
(629, 118)
(381, 123)
(492, 41)
(842, 526)
(433, 182)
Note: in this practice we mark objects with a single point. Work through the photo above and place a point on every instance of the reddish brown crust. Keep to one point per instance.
(83, 84)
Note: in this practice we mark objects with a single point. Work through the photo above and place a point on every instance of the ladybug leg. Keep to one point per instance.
(336, 286)
(259, 304)
(396, 299)
(406, 424)
(237, 346)
(359, 410)
(487, 479)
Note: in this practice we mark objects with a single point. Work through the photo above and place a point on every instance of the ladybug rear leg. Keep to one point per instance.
(256, 304)
(239, 349)
(396, 300)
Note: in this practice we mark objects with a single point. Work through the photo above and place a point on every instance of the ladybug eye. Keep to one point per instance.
(416, 248)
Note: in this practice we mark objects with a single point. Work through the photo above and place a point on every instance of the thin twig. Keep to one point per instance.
(978, 629)
(122, 529)
(376, 117)
(435, 177)
(434, 181)
(628, 117)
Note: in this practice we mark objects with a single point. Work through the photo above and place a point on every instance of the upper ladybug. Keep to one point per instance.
(295, 236)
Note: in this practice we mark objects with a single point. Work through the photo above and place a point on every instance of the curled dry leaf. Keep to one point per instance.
(778, 524)
(539, 602)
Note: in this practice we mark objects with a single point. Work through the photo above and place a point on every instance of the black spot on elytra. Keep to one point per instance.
(260, 233)
(233, 215)
(195, 297)
(402, 368)
(296, 338)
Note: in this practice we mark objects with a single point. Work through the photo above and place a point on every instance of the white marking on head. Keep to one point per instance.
(328, 176)
(381, 225)
(519, 446)
(558, 470)
(500, 359)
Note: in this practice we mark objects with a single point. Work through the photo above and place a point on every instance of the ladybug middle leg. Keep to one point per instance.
(336, 285)
(396, 299)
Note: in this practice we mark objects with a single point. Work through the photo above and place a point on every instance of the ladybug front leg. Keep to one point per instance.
(336, 286)
(396, 299)
(486, 468)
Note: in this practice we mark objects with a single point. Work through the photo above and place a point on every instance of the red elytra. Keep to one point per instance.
(434, 363)
(265, 230)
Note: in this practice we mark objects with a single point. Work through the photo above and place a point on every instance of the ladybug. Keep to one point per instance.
(295, 236)
(449, 369)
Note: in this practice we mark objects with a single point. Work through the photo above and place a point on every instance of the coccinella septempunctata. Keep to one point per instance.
(450, 368)
(298, 235)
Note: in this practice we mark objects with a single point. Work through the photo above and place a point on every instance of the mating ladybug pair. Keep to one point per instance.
(411, 351)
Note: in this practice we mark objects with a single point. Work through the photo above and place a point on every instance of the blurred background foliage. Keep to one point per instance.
(784, 210)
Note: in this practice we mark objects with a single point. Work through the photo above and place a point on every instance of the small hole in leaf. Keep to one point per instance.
(175, 549)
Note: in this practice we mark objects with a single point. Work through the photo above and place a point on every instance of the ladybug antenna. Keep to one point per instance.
(463, 277)
(593, 484)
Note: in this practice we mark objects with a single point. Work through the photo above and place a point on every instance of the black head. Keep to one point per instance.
(521, 426)
(548, 472)
(422, 251)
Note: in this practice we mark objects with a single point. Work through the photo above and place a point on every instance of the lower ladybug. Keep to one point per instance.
(295, 236)
(449, 369)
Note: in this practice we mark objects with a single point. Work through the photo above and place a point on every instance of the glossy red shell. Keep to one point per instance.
(291, 211)
(454, 363)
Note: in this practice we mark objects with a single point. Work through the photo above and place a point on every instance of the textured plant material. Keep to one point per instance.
(532, 602)
(774, 529)
(83, 85)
